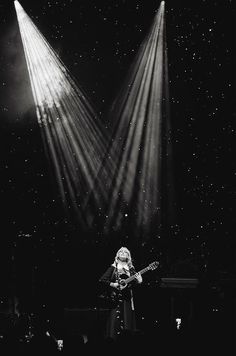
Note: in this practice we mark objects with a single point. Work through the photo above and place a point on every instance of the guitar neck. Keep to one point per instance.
(129, 279)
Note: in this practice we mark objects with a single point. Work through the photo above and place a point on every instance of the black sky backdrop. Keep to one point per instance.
(97, 41)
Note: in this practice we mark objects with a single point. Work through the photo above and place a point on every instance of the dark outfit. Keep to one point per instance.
(122, 315)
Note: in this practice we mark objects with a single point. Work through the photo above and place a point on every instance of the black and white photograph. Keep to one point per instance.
(117, 177)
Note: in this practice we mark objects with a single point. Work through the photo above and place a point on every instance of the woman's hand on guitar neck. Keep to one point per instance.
(138, 277)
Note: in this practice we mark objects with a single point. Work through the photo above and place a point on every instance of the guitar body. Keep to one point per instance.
(122, 280)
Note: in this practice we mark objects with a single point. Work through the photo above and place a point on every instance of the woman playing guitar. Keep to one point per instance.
(121, 315)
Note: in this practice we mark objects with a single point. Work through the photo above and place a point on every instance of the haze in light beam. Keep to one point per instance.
(135, 165)
(72, 134)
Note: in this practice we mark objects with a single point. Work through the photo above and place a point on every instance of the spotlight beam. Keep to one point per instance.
(134, 168)
(73, 137)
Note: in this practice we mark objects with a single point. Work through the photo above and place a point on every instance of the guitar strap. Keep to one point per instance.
(132, 300)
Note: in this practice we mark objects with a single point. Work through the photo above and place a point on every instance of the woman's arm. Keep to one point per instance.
(108, 276)
(138, 277)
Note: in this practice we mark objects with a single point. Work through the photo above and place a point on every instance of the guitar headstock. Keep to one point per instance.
(153, 265)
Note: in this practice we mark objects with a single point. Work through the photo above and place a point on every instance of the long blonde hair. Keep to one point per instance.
(129, 262)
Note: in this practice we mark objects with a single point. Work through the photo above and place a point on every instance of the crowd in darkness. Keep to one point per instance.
(165, 341)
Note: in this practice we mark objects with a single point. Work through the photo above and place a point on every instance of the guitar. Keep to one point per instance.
(117, 294)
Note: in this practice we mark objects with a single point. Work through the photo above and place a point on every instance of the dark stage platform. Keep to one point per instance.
(176, 316)
(180, 316)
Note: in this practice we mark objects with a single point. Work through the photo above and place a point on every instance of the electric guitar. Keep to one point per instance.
(123, 281)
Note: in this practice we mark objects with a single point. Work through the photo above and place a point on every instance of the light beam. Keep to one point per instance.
(136, 163)
(71, 131)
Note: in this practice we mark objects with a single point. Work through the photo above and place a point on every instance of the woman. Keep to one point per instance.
(122, 314)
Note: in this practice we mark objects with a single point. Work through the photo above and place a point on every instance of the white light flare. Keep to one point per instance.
(178, 323)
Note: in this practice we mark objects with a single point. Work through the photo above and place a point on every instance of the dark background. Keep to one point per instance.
(50, 264)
